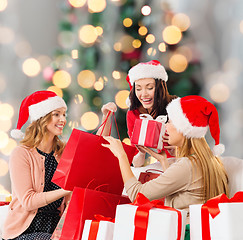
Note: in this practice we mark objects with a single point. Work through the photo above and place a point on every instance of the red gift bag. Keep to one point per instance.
(148, 175)
(85, 162)
(85, 204)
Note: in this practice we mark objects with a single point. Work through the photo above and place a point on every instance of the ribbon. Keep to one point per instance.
(143, 130)
(142, 216)
(212, 207)
(94, 227)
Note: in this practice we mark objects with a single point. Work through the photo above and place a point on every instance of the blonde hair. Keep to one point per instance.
(37, 131)
(214, 177)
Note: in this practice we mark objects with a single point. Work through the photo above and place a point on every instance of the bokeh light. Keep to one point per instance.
(6, 111)
(136, 43)
(142, 30)
(172, 35)
(150, 38)
(99, 30)
(88, 34)
(7, 150)
(3, 167)
(23, 49)
(178, 63)
(89, 120)
(151, 51)
(5, 125)
(56, 90)
(117, 46)
(126, 44)
(99, 85)
(97, 101)
(116, 75)
(121, 98)
(219, 92)
(3, 5)
(3, 139)
(77, 3)
(31, 67)
(78, 98)
(146, 10)
(96, 6)
(182, 21)
(162, 47)
(6, 35)
(73, 124)
(61, 79)
(127, 22)
(86, 79)
(74, 54)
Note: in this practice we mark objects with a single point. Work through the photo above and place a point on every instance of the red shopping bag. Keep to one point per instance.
(85, 162)
(148, 175)
(85, 204)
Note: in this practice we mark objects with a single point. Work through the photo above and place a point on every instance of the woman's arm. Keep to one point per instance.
(109, 107)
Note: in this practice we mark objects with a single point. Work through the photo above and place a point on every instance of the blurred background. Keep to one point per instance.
(82, 50)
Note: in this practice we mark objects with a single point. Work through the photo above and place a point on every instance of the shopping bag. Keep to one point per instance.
(148, 175)
(85, 204)
(85, 163)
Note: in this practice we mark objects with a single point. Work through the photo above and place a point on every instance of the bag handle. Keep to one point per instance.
(155, 170)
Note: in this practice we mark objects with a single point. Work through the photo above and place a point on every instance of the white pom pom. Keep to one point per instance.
(128, 102)
(218, 149)
(17, 134)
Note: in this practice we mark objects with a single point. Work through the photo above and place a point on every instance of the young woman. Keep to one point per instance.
(197, 174)
(148, 94)
(37, 203)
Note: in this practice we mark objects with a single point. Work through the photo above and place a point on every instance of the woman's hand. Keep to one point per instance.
(115, 146)
(170, 149)
(110, 106)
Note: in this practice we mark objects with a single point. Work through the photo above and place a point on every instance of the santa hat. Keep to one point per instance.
(192, 115)
(151, 69)
(35, 106)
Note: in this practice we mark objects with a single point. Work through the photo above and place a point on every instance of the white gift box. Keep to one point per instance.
(227, 225)
(162, 224)
(105, 230)
(3, 215)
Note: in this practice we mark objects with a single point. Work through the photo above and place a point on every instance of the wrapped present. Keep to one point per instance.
(220, 218)
(145, 220)
(100, 229)
(86, 163)
(149, 132)
(85, 204)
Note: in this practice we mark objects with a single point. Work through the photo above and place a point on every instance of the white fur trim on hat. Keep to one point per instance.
(218, 149)
(16, 134)
(181, 122)
(42, 108)
(142, 70)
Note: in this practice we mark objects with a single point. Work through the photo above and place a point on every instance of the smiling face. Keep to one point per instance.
(175, 138)
(58, 121)
(144, 90)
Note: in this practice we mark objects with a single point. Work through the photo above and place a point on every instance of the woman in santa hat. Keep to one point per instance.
(198, 173)
(36, 202)
(148, 94)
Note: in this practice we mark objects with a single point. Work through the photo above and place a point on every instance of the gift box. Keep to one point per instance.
(145, 220)
(85, 204)
(99, 229)
(219, 219)
(148, 132)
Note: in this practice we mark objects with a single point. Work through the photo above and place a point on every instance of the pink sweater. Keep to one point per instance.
(27, 173)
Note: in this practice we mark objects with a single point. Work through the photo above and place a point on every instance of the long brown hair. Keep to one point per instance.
(161, 98)
(37, 131)
(214, 177)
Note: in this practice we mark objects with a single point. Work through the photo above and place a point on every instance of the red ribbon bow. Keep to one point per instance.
(212, 207)
(142, 216)
(95, 225)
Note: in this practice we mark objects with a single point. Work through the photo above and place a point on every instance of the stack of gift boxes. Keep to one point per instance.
(102, 214)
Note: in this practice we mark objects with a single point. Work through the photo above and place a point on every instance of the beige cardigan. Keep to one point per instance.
(27, 173)
(181, 184)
